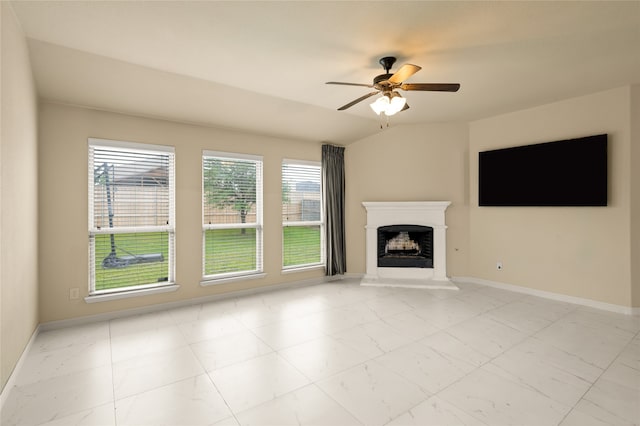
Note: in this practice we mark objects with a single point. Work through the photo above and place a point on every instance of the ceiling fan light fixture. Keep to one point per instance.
(386, 84)
(396, 104)
(389, 104)
(381, 104)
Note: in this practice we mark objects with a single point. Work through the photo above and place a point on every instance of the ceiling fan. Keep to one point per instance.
(387, 84)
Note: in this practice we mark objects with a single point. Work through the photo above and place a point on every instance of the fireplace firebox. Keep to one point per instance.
(405, 246)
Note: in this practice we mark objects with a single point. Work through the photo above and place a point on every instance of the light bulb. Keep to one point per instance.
(380, 105)
(396, 105)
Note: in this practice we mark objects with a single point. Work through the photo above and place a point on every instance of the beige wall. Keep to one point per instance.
(63, 203)
(410, 163)
(635, 195)
(582, 252)
(18, 197)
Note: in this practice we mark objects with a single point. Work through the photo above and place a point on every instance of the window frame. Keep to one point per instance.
(212, 279)
(289, 224)
(93, 230)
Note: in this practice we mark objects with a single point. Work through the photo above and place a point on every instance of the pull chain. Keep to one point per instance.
(382, 121)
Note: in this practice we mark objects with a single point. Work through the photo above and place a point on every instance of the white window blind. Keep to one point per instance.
(232, 214)
(131, 215)
(302, 216)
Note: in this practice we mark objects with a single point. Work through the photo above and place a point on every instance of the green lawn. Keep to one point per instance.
(226, 251)
(229, 250)
(133, 275)
(301, 245)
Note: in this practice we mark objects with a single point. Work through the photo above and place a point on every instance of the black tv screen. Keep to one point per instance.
(569, 172)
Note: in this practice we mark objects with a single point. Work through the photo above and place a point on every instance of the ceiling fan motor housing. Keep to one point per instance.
(386, 62)
(381, 77)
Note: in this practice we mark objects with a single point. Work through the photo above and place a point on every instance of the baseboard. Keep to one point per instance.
(627, 310)
(352, 276)
(107, 316)
(54, 325)
(409, 283)
(4, 395)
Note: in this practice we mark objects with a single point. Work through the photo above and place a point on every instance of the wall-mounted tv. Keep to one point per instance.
(570, 172)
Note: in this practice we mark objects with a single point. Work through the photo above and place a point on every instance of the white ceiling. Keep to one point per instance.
(261, 66)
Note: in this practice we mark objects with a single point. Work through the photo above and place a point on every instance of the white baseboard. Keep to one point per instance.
(4, 395)
(352, 276)
(409, 283)
(627, 310)
(302, 283)
(53, 325)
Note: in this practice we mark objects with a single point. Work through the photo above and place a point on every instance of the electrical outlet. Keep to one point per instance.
(499, 266)
(74, 293)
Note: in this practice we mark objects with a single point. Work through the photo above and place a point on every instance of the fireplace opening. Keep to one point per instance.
(405, 246)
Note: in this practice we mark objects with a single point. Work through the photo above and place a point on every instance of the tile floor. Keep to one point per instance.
(340, 354)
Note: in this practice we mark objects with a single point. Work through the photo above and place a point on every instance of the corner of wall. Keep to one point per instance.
(418, 162)
(635, 196)
(18, 196)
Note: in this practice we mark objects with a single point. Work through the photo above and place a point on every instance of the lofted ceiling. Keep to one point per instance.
(261, 66)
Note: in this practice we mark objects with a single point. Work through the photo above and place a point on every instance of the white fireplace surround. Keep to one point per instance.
(425, 213)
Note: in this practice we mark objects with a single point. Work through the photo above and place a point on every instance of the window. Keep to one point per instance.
(131, 216)
(231, 215)
(302, 216)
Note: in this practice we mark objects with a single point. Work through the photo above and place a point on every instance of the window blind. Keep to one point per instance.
(131, 215)
(302, 217)
(231, 214)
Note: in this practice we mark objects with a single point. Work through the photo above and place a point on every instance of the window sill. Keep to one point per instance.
(223, 280)
(105, 297)
(301, 269)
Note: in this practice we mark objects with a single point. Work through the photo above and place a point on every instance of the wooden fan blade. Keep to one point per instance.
(405, 71)
(431, 87)
(360, 99)
(406, 107)
(349, 84)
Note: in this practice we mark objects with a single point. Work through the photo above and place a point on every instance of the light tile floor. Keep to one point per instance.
(340, 354)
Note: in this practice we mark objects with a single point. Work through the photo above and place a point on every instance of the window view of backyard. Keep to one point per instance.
(230, 250)
(127, 247)
(131, 191)
(231, 215)
(306, 241)
(302, 220)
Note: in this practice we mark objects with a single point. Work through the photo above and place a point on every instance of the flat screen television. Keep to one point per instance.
(570, 172)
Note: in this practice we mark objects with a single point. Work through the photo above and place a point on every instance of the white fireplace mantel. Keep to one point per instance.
(425, 213)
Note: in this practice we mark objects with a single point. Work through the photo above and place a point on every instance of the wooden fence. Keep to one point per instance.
(148, 206)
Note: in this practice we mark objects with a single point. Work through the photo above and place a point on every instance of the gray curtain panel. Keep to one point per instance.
(333, 189)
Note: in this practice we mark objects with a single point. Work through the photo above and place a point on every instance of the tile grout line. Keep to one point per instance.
(337, 402)
(313, 382)
(604, 370)
(527, 384)
(206, 372)
(113, 379)
(403, 346)
(483, 364)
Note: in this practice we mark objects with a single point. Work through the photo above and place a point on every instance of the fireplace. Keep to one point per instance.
(406, 244)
